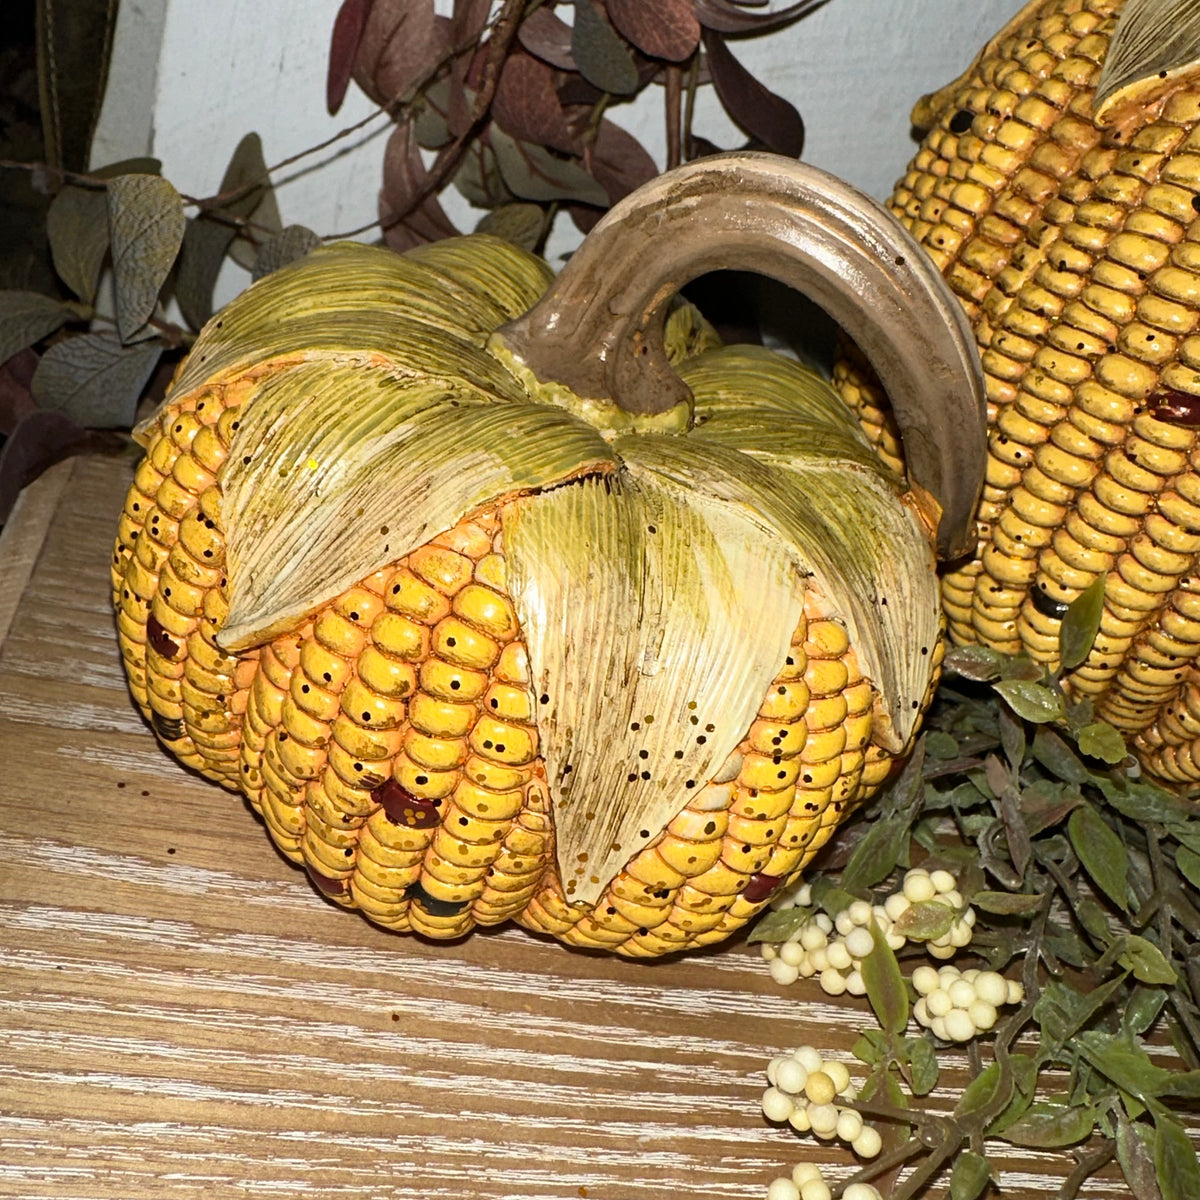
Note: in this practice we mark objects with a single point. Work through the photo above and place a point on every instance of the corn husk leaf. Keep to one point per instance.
(341, 468)
(655, 618)
(1156, 45)
(348, 298)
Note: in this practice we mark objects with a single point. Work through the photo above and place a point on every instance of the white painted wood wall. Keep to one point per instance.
(190, 77)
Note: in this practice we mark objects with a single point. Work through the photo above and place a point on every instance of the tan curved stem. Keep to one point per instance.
(599, 327)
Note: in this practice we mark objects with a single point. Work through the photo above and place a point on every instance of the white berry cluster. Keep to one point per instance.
(831, 950)
(957, 1005)
(921, 886)
(807, 1183)
(804, 1089)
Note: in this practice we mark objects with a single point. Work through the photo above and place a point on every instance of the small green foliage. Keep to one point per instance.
(1083, 875)
(1081, 624)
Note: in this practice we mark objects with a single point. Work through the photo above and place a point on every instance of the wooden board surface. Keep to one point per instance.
(182, 1015)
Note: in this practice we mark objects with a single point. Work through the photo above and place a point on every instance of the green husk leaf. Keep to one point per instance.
(673, 652)
(1062, 1012)
(970, 1175)
(1102, 853)
(315, 501)
(1080, 625)
(979, 1092)
(1125, 1063)
(533, 173)
(26, 318)
(886, 989)
(600, 53)
(520, 223)
(146, 225)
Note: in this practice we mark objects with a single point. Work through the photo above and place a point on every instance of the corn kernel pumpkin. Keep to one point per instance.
(1058, 190)
(501, 597)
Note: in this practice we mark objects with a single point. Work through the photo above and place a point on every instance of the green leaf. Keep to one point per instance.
(973, 662)
(27, 317)
(922, 1059)
(1047, 1124)
(210, 233)
(871, 1047)
(1081, 624)
(829, 898)
(520, 223)
(1094, 919)
(1045, 803)
(1058, 758)
(1062, 1012)
(886, 989)
(1143, 1009)
(1100, 740)
(146, 223)
(1024, 1069)
(1175, 1159)
(1185, 1084)
(940, 745)
(292, 243)
(970, 1175)
(77, 228)
(1102, 853)
(95, 380)
(1031, 701)
(876, 855)
(1125, 1063)
(600, 53)
(533, 173)
(1009, 904)
(1136, 1158)
(1146, 802)
(777, 925)
(1188, 862)
(1146, 961)
(926, 921)
(979, 1092)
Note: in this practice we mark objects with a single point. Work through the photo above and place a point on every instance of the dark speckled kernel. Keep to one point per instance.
(404, 809)
(433, 906)
(164, 645)
(1047, 605)
(167, 728)
(327, 883)
(1175, 408)
(761, 886)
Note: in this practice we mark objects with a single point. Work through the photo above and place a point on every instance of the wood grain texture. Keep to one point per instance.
(182, 1015)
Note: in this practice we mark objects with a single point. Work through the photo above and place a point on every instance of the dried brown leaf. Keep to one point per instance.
(766, 117)
(547, 37)
(726, 16)
(16, 398)
(619, 162)
(348, 28)
(527, 106)
(38, 442)
(399, 45)
(666, 29)
(409, 216)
